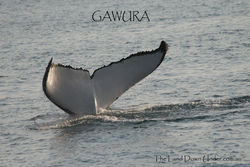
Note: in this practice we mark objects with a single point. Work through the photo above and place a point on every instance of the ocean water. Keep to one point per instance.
(194, 110)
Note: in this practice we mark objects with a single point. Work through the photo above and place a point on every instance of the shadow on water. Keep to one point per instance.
(208, 110)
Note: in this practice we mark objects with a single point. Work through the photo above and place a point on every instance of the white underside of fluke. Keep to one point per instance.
(76, 92)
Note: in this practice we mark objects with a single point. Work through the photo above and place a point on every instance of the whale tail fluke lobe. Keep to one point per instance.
(76, 92)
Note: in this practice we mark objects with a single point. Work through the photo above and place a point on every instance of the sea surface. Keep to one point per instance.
(193, 110)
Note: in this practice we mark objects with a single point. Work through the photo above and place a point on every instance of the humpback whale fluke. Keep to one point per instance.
(77, 92)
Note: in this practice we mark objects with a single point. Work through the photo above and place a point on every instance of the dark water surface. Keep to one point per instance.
(194, 110)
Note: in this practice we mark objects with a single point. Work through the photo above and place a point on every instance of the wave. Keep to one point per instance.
(207, 110)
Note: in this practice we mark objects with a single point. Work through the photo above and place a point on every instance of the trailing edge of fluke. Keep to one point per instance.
(75, 91)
